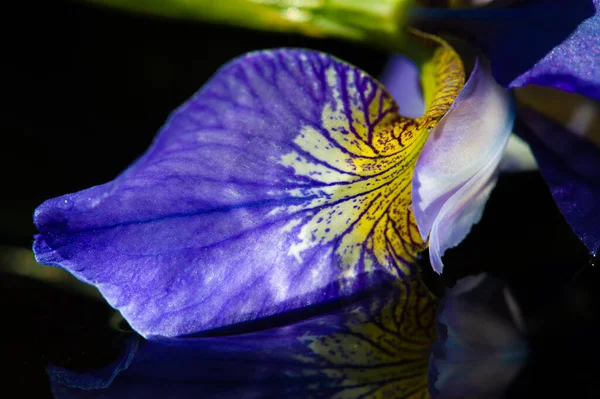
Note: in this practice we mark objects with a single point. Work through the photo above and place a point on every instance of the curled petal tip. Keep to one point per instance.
(456, 171)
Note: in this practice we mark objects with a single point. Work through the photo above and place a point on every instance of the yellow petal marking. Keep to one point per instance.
(382, 356)
(364, 154)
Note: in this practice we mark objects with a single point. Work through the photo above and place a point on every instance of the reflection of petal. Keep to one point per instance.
(284, 182)
(456, 170)
(401, 78)
(478, 352)
(377, 347)
(571, 167)
(547, 42)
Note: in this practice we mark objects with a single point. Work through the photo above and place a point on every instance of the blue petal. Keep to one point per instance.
(401, 78)
(284, 182)
(571, 167)
(478, 352)
(547, 42)
(377, 346)
(573, 65)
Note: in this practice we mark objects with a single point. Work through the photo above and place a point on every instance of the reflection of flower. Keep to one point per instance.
(374, 347)
(389, 352)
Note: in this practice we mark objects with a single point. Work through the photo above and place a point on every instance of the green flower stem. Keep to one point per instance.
(373, 22)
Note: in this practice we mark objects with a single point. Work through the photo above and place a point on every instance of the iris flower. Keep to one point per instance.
(266, 242)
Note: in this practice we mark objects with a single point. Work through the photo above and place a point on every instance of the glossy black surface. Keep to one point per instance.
(85, 91)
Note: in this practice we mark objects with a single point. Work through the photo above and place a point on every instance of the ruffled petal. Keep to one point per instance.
(547, 42)
(571, 167)
(479, 351)
(456, 170)
(377, 347)
(284, 182)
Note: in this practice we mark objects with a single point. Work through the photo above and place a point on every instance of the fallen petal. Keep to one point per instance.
(283, 183)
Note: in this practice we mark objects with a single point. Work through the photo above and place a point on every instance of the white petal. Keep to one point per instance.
(517, 156)
(456, 170)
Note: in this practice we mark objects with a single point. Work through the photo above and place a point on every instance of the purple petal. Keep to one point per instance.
(378, 346)
(281, 184)
(456, 170)
(571, 167)
(401, 78)
(479, 351)
(573, 65)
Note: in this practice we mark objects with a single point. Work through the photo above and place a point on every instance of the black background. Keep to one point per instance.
(85, 91)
